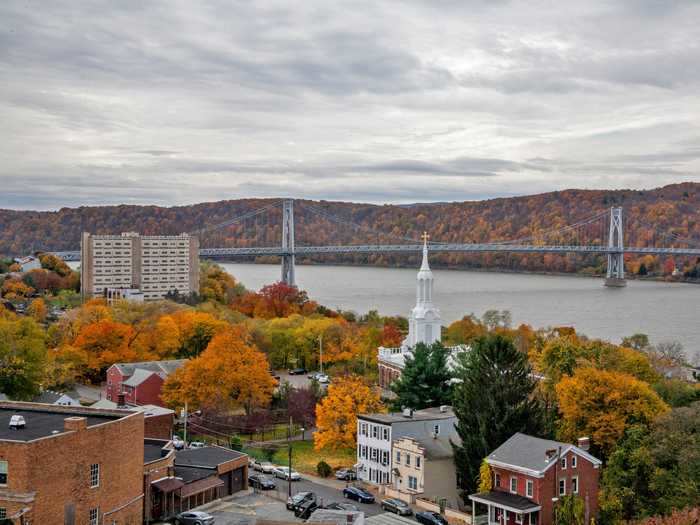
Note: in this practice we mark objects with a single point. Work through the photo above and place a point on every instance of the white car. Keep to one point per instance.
(197, 444)
(323, 379)
(264, 466)
(285, 473)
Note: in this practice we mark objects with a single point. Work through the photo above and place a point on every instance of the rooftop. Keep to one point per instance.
(153, 450)
(531, 453)
(427, 414)
(512, 502)
(163, 367)
(148, 410)
(191, 474)
(206, 457)
(42, 421)
(138, 377)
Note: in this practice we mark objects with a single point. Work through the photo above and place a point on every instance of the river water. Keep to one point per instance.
(664, 311)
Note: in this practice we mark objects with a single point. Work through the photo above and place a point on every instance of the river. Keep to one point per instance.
(664, 311)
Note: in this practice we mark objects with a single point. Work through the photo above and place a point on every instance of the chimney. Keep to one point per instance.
(74, 424)
(121, 400)
(584, 443)
(549, 454)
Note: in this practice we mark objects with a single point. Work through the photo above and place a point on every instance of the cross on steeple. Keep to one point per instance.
(425, 237)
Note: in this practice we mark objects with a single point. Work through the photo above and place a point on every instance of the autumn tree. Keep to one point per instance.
(570, 510)
(464, 331)
(425, 380)
(493, 399)
(231, 373)
(602, 404)
(22, 356)
(37, 310)
(336, 414)
(215, 284)
(16, 290)
(105, 342)
(195, 331)
(55, 264)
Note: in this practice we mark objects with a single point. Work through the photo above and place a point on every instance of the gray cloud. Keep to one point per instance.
(173, 102)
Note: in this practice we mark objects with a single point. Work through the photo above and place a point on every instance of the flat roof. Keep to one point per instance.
(206, 457)
(42, 422)
(152, 451)
(512, 502)
(427, 414)
(192, 474)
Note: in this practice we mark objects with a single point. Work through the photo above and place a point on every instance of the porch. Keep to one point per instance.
(504, 508)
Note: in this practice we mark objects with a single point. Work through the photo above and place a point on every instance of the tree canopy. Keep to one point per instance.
(425, 380)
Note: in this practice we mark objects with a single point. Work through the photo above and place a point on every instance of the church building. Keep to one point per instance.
(424, 326)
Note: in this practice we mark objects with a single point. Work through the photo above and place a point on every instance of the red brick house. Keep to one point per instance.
(531, 474)
(139, 382)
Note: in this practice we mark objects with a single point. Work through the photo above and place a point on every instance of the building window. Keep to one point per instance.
(398, 457)
(574, 485)
(562, 487)
(3, 472)
(417, 461)
(374, 454)
(529, 488)
(363, 429)
(514, 485)
(374, 431)
(386, 434)
(518, 518)
(436, 430)
(94, 475)
(95, 516)
(385, 457)
(412, 483)
(563, 463)
(497, 481)
(408, 460)
(573, 461)
(3, 513)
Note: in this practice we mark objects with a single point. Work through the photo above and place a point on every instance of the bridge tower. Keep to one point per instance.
(288, 242)
(616, 260)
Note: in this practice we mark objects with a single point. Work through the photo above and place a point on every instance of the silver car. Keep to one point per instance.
(194, 517)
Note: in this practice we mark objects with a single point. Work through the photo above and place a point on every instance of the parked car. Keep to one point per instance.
(430, 518)
(396, 506)
(260, 481)
(285, 473)
(305, 509)
(346, 474)
(323, 379)
(341, 506)
(194, 517)
(358, 494)
(263, 466)
(299, 371)
(299, 498)
(197, 444)
(178, 444)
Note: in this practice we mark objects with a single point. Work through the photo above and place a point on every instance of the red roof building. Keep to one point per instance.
(140, 383)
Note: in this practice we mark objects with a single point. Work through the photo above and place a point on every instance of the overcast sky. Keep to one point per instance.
(175, 102)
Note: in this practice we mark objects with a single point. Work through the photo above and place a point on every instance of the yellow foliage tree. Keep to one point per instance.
(37, 309)
(336, 414)
(601, 404)
(485, 477)
(231, 373)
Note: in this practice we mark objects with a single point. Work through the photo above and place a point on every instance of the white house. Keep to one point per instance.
(377, 432)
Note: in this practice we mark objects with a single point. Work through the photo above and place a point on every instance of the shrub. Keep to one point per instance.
(324, 469)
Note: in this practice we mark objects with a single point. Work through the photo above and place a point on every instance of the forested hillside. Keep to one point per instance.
(648, 215)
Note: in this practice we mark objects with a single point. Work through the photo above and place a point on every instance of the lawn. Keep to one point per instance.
(305, 458)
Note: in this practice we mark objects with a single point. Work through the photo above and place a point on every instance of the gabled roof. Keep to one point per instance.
(530, 453)
(138, 377)
(50, 397)
(160, 367)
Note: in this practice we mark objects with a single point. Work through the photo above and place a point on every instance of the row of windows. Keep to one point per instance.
(529, 485)
(378, 476)
(375, 431)
(407, 459)
(94, 474)
(373, 454)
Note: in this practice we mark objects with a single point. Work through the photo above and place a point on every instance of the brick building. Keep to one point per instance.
(139, 382)
(70, 465)
(158, 422)
(530, 474)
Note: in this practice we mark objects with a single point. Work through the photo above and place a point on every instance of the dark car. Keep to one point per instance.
(194, 517)
(396, 506)
(341, 506)
(346, 474)
(258, 481)
(297, 371)
(305, 509)
(430, 518)
(299, 498)
(358, 494)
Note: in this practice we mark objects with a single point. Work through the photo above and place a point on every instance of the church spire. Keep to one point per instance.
(424, 321)
(424, 265)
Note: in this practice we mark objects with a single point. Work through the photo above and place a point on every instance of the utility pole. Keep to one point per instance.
(320, 350)
(185, 432)
(289, 447)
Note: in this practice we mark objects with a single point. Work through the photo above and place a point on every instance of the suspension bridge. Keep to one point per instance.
(610, 242)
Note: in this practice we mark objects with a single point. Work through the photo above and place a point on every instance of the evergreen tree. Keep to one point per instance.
(493, 399)
(425, 380)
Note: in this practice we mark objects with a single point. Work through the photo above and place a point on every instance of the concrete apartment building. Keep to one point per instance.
(155, 265)
(70, 465)
(377, 432)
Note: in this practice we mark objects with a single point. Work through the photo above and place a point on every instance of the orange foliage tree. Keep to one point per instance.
(37, 309)
(602, 404)
(336, 414)
(231, 373)
(106, 342)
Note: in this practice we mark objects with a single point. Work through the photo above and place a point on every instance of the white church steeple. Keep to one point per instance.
(424, 321)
